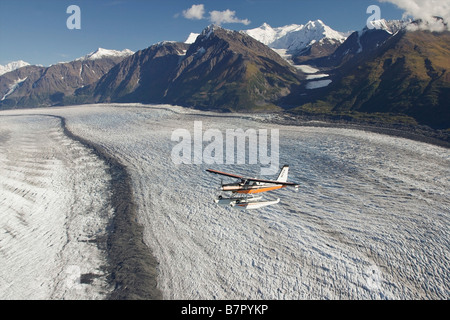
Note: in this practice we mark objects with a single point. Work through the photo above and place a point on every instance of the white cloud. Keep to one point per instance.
(426, 10)
(195, 12)
(227, 16)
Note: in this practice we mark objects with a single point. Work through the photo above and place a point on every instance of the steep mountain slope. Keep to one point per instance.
(33, 86)
(406, 74)
(232, 71)
(361, 44)
(222, 69)
(142, 77)
(17, 85)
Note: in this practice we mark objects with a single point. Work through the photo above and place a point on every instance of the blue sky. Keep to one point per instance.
(35, 30)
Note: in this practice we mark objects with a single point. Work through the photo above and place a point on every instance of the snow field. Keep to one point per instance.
(318, 84)
(370, 220)
(54, 206)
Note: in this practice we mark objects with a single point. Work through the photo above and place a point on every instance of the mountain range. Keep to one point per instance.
(385, 73)
(222, 69)
(391, 74)
(31, 86)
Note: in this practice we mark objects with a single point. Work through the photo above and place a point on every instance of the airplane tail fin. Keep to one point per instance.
(283, 176)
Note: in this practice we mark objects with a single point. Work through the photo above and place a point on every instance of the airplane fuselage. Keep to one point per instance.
(247, 188)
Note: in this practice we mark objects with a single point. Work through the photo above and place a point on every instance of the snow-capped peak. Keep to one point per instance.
(103, 53)
(13, 66)
(209, 30)
(391, 26)
(191, 38)
(295, 36)
(267, 35)
(325, 31)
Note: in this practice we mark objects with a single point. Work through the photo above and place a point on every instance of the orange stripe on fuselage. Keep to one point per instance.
(260, 190)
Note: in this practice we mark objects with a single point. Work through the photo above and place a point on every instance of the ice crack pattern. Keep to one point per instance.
(54, 213)
(370, 220)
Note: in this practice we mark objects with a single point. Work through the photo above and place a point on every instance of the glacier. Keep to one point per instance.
(370, 220)
(53, 207)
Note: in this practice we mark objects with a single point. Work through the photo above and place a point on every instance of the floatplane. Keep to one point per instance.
(243, 192)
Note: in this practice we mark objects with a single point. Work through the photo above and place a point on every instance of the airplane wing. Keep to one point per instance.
(252, 179)
(225, 174)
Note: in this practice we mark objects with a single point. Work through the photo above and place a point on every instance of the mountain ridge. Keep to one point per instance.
(404, 78)
(32, 86)
(295, 37)
(302, 42)
(387, 73)
(222, 69)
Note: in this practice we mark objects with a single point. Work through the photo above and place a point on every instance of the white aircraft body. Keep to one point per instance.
(247, 187)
